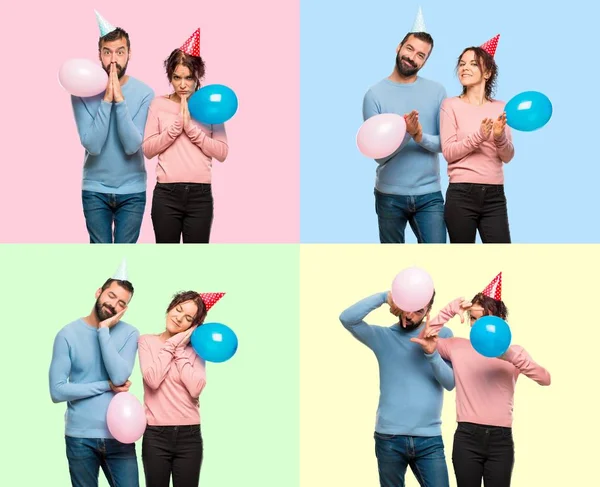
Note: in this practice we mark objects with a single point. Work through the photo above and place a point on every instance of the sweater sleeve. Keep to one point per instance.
(155, 141)
(213, 146)
(432, 142)
(118, 363)
(155, 369)
(92, 127)
(444, 316)
(519, 357)
(504, 146)
(442, 369)
(452, 148)
(61, 389)
(353, 320)
(438, 322)
(371, 108)
(192, 372)
(130, 127)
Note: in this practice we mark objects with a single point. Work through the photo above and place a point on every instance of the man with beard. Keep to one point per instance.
(92, 360)
(111, 129)
(411, 382)
(407, 187)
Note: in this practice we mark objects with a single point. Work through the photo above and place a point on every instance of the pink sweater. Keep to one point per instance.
(184, 152)
(472, 158)
(173, 380)
(485, 387)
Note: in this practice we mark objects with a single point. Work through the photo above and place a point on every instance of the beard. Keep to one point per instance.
(104, 311)
(410, 325)
(120, 69)
(403, 70)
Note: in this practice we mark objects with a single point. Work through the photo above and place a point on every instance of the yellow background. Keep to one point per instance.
(551, 293)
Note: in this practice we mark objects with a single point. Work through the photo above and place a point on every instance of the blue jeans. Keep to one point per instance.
(101, 210)
(424, 455)
(424, 213)
(87, 455)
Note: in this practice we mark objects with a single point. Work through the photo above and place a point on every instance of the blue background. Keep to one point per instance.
(551, 184)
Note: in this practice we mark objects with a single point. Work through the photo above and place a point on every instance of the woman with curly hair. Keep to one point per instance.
(182, 204)
(476, 143)
(174, 376)
(483, 446)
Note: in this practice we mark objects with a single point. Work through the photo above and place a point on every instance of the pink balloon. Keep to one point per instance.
(412, 289)
(82, 77)
(381, 135)
(126, 418)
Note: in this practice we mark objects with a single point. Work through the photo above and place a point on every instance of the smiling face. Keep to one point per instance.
(470, 70)
(475, 68)
(181, 317)
(111, 300)
(411, 55)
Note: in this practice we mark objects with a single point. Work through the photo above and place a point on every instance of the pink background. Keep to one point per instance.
(252, 47)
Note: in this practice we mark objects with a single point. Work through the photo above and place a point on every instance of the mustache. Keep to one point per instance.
(408, 61)
(110, 308)
(118, 66)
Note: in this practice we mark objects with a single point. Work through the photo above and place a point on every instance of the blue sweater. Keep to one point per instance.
(410, 381)
(414, 169)
(112, 135)
(84, 359)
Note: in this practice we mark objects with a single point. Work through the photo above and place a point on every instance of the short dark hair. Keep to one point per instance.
(124, 284)
(194, 63)
(182, 297)
(431, 301)
(115, 35)
(486, 62)
(491, 305)
(422, 36)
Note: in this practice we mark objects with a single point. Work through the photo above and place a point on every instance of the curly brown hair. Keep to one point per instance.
(184, 296)
(194, 64)
(491, 305)
(486, 62)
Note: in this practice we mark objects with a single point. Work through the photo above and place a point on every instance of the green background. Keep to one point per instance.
(250, 406)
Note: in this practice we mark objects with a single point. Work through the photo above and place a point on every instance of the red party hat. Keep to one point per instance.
(192, 45)
(491, 45)
(494, 288)
(210, 299)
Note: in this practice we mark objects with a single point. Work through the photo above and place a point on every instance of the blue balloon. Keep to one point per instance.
(214, 342)
(528, 111)
(490, 336)
(213, 104)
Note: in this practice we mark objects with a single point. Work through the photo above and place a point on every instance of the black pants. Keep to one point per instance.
(182, 208)
(175, 450)
(483, 452)
(471, 207)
